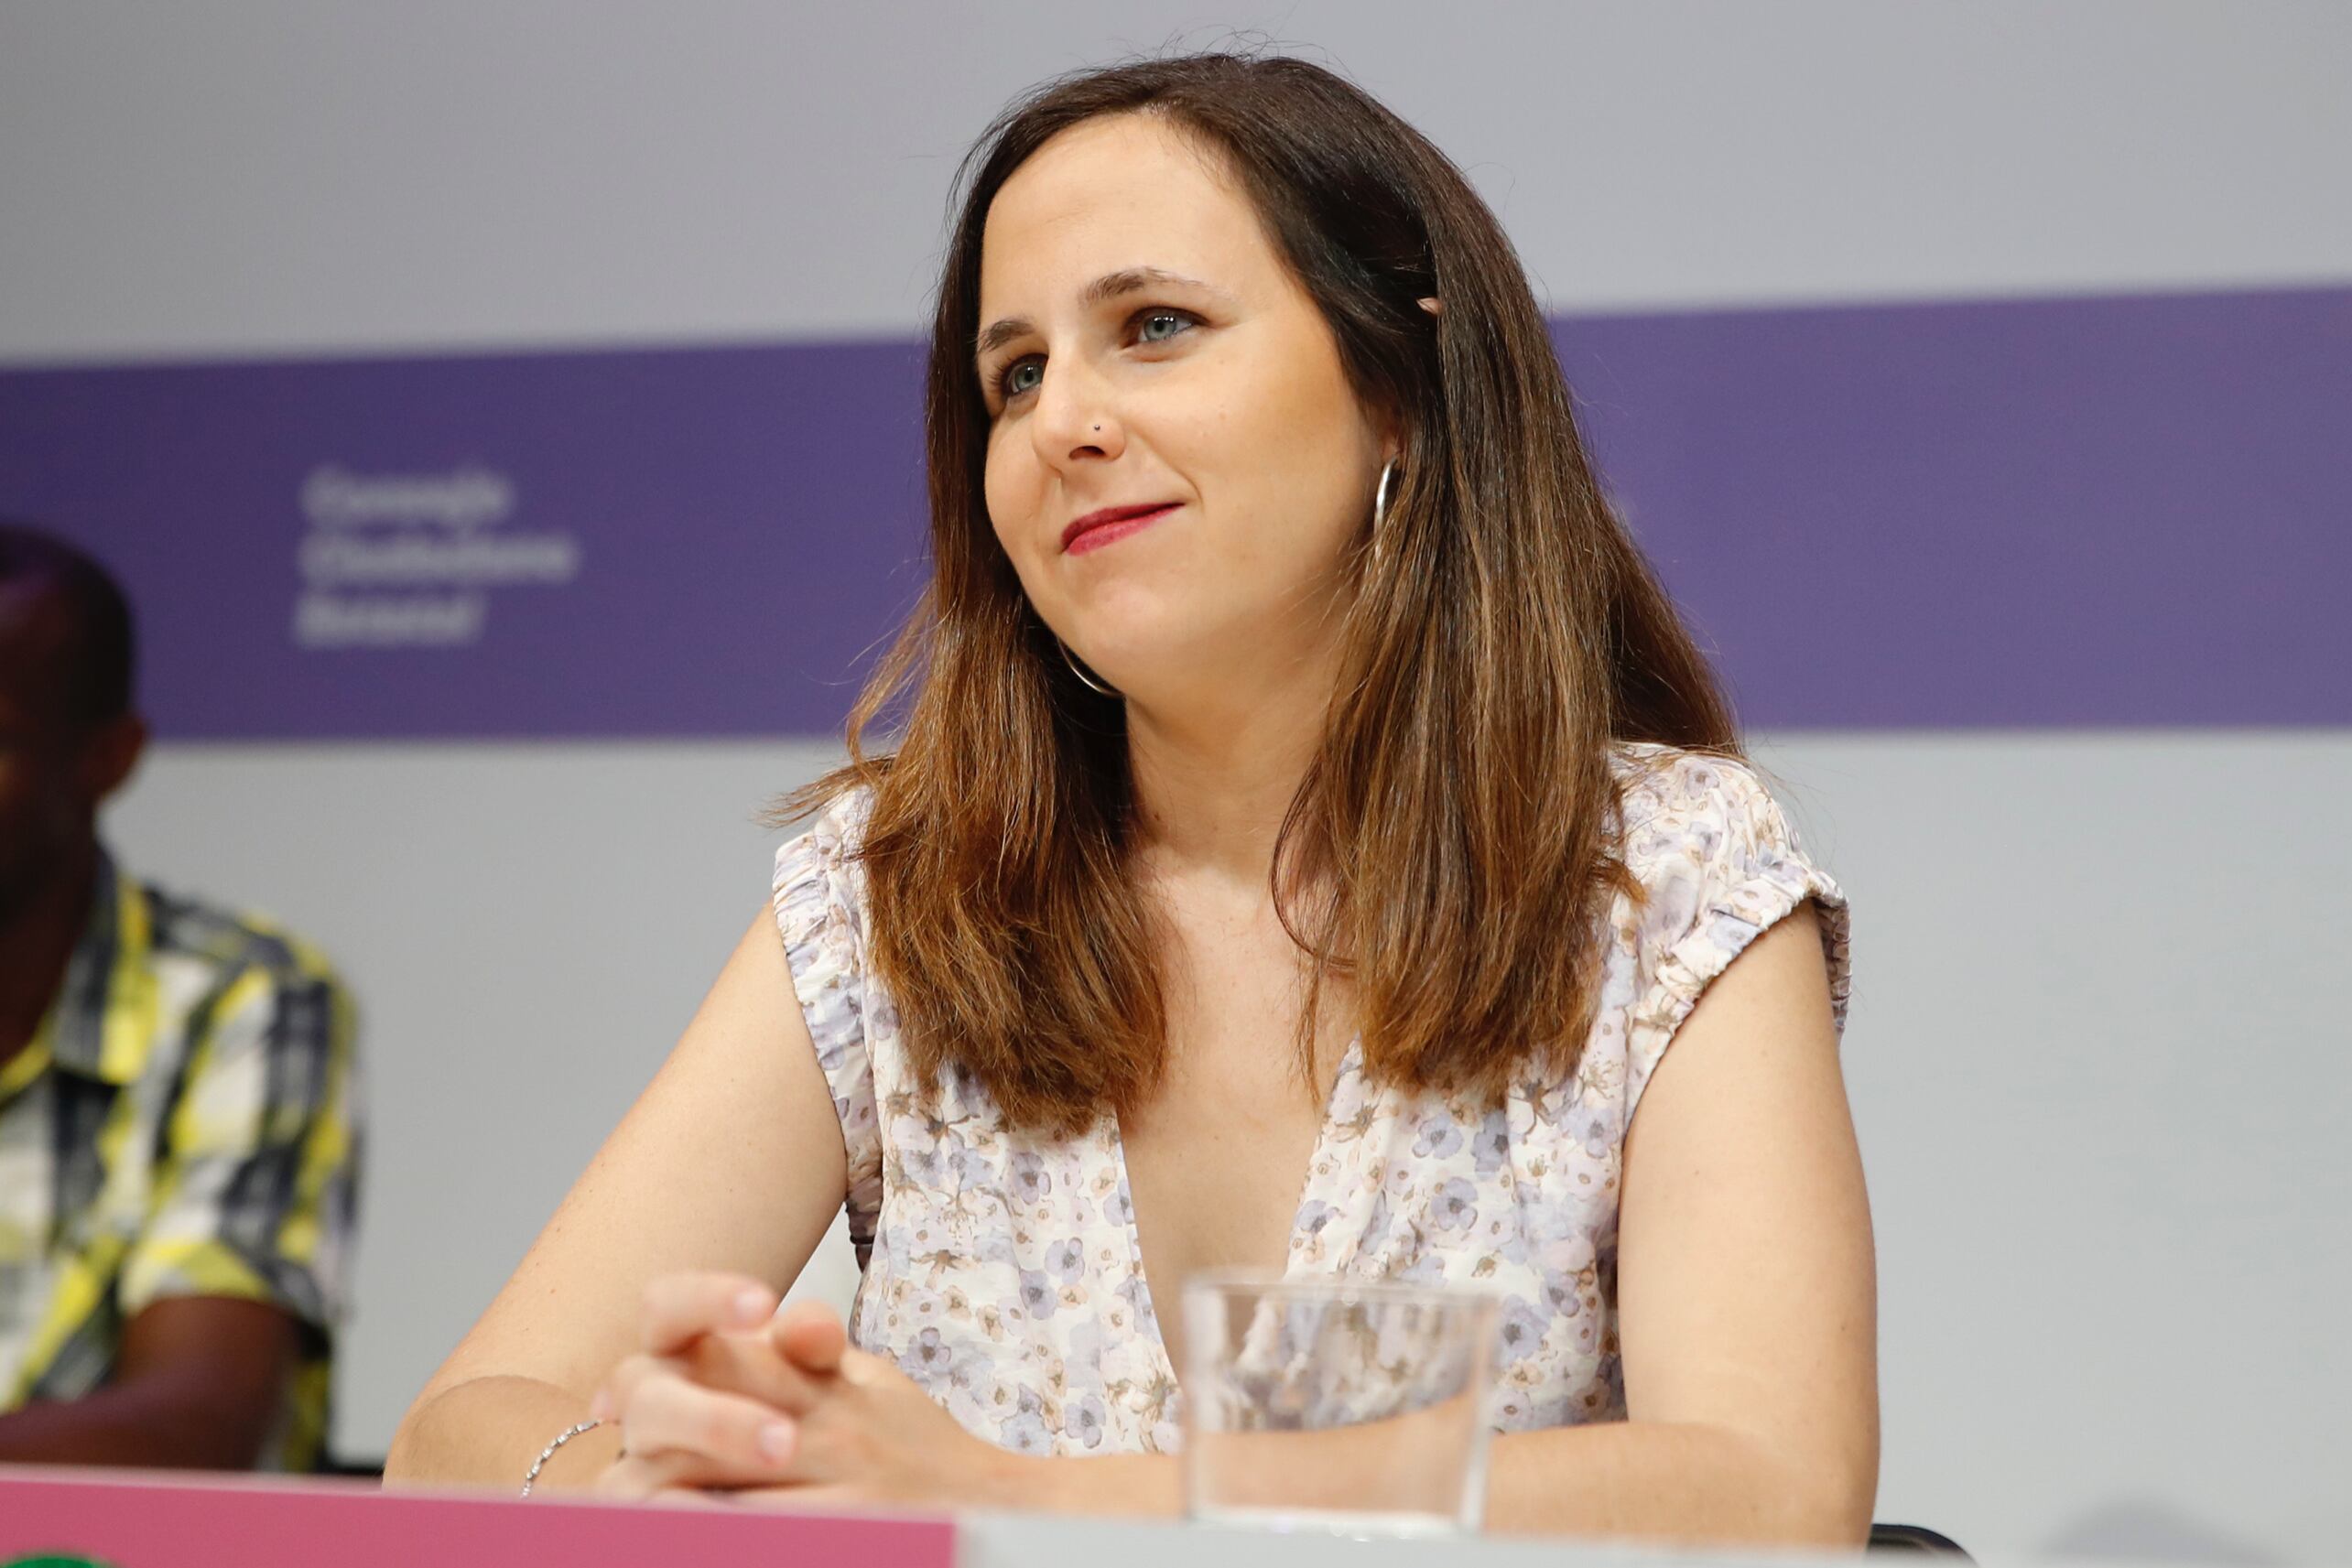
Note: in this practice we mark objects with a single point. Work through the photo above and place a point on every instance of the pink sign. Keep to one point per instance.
(127, 1521)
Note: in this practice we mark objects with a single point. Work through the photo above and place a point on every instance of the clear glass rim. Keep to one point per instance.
(1398, 1292)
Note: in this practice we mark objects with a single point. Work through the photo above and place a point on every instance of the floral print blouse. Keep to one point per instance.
(1000, 1269)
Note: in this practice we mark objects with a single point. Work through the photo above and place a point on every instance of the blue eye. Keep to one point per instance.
(1158, 325)
(1020, 376)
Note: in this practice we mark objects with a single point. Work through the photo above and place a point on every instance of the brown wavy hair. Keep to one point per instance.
(1450, 850)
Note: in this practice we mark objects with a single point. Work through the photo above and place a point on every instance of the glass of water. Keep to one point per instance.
(1397, 1377)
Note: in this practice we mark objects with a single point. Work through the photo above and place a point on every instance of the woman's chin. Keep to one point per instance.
(1202, 681)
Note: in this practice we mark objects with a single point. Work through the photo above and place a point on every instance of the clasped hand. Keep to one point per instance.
(726, 1400)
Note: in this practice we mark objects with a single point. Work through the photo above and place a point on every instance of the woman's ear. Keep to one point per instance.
(1435, 305)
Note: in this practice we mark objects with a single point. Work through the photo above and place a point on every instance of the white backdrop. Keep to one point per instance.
(2098, 1048)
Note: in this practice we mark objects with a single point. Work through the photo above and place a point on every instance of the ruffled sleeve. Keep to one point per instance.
(1718, 865)
(819, 912)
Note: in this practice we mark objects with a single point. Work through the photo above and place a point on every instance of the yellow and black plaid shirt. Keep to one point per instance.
(185, 1122)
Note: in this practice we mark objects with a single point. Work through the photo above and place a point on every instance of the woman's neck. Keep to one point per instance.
(1214, 778)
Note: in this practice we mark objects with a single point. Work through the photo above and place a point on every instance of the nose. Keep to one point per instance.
(1076, 419)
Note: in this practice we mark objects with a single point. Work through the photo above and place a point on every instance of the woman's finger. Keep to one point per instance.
(750, 1365)
(736, 1439)
(824, 1498)
(809, 1334)
(628, 1375)
(681, 1308)
(633, 1477)
(634, 1482)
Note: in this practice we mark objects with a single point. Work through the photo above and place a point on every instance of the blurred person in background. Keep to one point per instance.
(179, 1105)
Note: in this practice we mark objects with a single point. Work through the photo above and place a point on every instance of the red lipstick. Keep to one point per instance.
(1112, 523)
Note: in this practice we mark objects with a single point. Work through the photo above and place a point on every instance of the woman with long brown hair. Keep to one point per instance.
(1302, 828)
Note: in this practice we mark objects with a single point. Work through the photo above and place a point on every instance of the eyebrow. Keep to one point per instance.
(1109, 286)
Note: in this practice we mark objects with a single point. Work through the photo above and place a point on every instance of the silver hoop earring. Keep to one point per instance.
(1380, 506)
(1085, 678)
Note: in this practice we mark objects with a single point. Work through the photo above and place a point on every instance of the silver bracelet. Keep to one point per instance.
(549, 1450)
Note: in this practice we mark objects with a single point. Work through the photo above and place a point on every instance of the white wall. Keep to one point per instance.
(291, 175)
(2098, 1048)
(2098, 1060)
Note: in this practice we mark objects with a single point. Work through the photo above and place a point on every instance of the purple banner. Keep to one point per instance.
(679, 542)
(2080, 512)
(2042, 512)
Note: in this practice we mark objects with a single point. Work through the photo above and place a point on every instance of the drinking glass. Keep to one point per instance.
(1396, 1377)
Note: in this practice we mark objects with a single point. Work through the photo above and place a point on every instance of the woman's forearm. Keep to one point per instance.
(1135, 1485)
(487, 1430)
(1649, 1480)
(1672, 1482)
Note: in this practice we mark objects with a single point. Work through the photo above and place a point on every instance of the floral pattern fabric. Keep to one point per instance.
(1001, 1268)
